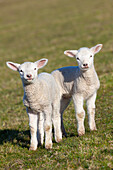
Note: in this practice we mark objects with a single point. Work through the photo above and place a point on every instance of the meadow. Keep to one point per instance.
(31, 30)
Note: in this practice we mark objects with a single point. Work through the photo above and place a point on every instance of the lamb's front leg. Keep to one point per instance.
(48, 127)
(40, 128)
(33, 129)
(91, 111)
(80, 114)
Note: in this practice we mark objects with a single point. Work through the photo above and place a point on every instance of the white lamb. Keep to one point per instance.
(42, 101)
(79, 83)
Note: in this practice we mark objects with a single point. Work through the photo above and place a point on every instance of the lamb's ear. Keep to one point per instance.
(96, 48)
(41, 63)
(13, 66)
(71, 53)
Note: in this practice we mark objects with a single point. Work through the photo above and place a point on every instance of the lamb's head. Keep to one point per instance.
(84, 56)
(28, 70)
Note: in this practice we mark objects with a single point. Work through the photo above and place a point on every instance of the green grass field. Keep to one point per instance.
(30, 30)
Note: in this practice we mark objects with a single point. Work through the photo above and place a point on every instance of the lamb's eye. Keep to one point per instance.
(90, 55)
(34, 68)
(21, 71)
(78, 58)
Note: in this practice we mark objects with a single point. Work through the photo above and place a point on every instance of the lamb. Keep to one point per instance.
(42, 102)
(79, 83)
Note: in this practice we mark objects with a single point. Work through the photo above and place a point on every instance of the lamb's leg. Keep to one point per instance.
(40, 134)
(48, 127)
(56, 117)
(63, 105)
(33, 129)
(91, 111)
(80, 114)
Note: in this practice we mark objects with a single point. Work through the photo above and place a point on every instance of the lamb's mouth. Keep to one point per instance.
(84, 68)
(29, 79)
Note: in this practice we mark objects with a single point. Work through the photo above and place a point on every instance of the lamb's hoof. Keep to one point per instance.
(33, 148)
(40, 143)
(81, 132)
(48, 146)
(58, 140)
(64, 134)
(93, 129)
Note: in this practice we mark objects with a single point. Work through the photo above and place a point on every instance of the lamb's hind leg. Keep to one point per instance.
(48, 127)
(91, 111)
(63, 105)
(56, 118)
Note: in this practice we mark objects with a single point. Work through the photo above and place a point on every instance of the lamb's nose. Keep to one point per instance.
(85, 65)
(29, 75)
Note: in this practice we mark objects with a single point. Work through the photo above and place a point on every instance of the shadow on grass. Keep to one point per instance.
(107, 151)
(16, 137)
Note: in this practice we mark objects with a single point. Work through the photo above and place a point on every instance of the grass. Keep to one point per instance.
(30, 30)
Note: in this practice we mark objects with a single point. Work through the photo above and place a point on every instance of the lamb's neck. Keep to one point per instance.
(33, 96)
(88, 73)
(31, 88)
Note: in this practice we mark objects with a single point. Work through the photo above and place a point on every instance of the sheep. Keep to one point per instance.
(42, 102)
(79, 83)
